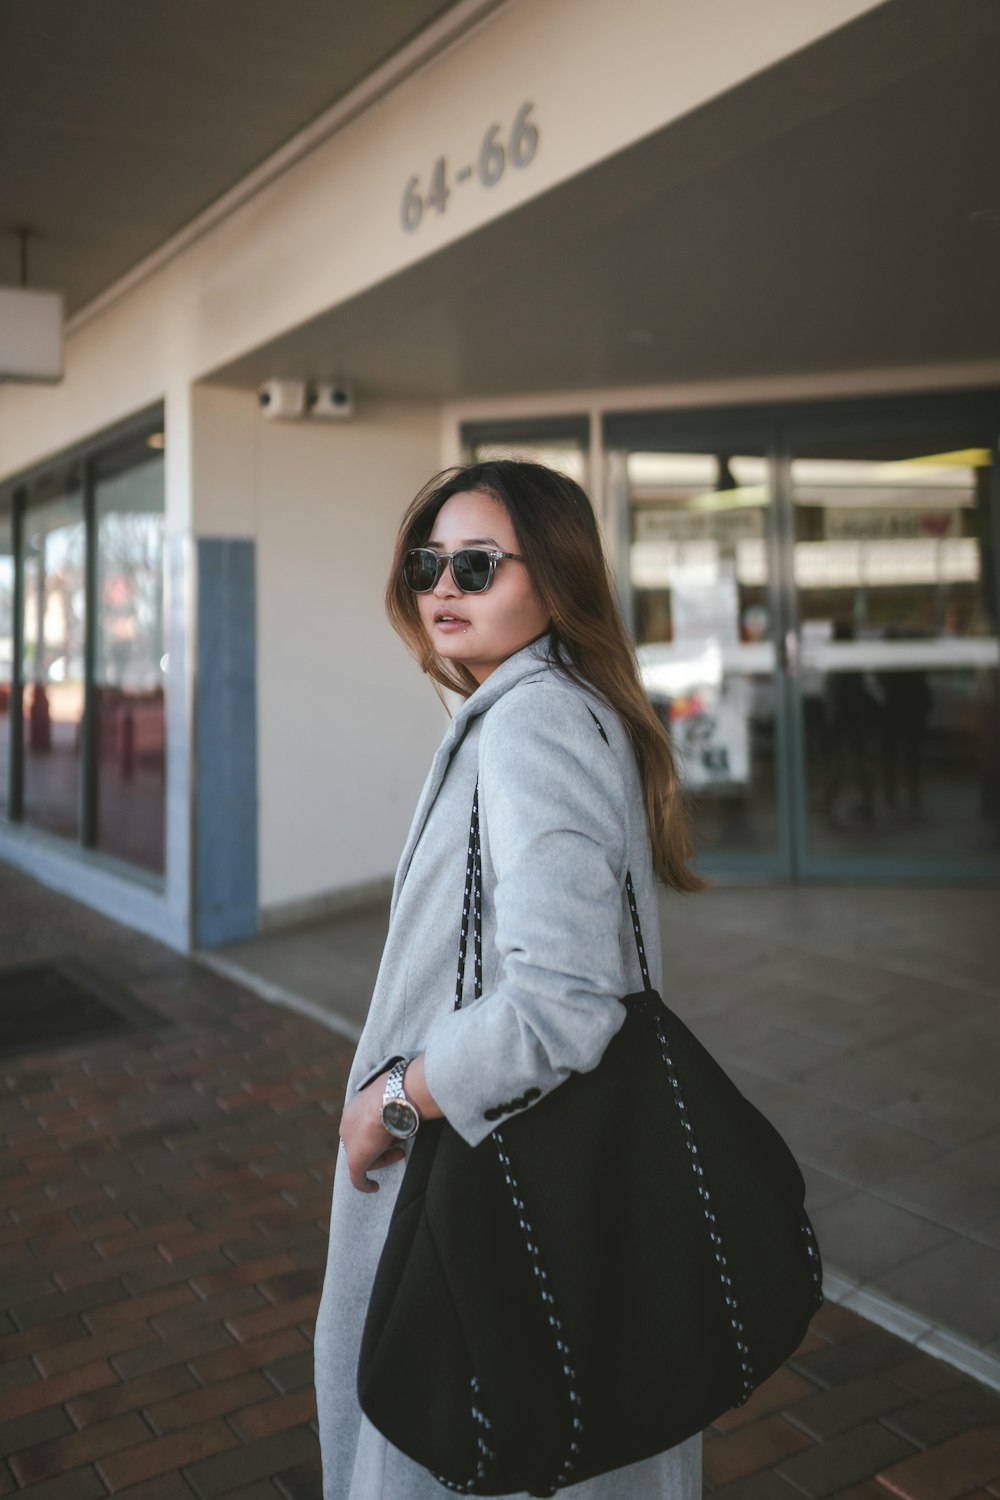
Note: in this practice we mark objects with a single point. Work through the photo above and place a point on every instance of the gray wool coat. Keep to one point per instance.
(562, 817)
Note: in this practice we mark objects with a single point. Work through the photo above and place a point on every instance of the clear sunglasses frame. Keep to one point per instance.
(441, 558)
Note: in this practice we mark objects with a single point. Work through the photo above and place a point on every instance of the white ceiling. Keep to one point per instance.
(841, 210)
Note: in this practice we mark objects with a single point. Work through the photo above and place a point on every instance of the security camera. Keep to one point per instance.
(332, 400)
(282, 398)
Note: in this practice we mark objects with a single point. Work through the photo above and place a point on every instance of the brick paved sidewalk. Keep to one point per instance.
(165, 1197)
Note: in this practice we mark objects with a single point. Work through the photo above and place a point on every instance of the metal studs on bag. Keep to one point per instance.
(701, 1183)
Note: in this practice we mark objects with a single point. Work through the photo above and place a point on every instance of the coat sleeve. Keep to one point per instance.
(553, 810)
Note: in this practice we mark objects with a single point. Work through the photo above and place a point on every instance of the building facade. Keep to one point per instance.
(733, 267)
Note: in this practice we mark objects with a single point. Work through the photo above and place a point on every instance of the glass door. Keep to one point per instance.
(6, 654)
(894, 654)
(700, 585)
(129, 661)
(53, 669)
(813, 595)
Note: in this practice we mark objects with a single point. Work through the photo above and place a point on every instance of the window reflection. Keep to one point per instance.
(699, 579)
(54, 624)
(92, 752)
(6, 654)
(129, 667)
(899, 651)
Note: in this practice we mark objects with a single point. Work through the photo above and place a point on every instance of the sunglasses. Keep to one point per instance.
(472, 568)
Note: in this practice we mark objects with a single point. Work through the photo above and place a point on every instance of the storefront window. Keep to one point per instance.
(129, 658)
(814, 601)
(6, 655)
(82, 723)
(699, 579)
(899, 676)
(54, 624)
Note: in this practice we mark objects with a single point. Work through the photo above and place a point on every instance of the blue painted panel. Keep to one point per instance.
(225, 734)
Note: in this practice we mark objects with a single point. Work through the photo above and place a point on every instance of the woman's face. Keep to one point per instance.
(480, 630)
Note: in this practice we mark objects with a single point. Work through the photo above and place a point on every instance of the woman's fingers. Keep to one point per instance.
(366, 1142)
(388, 1158)
(362, 1183)
(359, 1167)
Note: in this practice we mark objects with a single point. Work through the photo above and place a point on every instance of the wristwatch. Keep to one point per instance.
(399, 1114)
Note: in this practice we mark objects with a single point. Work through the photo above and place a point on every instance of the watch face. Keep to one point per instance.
(399, 1118)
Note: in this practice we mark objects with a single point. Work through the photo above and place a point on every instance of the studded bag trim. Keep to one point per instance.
(472, 911)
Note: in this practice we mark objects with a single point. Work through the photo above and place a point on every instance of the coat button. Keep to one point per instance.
(492, 1114)
(532, 1094)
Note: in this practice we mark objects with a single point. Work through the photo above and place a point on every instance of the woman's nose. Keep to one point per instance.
(445, 586)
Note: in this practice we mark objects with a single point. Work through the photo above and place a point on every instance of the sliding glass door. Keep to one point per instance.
(893, 572)
(7, 608)
(700, 577)
(54, 625)
(813, 594)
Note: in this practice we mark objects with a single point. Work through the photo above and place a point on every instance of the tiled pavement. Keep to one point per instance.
(164, 1200)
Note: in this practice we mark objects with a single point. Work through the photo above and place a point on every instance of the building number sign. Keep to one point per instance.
(495, 155)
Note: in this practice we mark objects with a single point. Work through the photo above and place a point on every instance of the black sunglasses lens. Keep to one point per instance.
(472, 569)
(420, 569)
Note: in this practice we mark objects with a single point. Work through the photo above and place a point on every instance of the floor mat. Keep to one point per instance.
(55, 1004)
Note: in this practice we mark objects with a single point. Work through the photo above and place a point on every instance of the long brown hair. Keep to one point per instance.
(560, 542)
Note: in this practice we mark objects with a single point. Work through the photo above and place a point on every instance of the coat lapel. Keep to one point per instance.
(522, 664)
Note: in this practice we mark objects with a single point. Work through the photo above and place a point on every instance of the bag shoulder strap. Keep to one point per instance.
(629, 887)
(472, 906)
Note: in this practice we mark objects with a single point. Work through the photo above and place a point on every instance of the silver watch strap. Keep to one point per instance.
(394, 1083)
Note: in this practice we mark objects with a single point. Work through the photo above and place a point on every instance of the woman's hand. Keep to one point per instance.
(367, 1144)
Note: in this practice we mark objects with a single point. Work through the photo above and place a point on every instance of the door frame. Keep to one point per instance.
(957, 421)
(748, 430)
(969, 418)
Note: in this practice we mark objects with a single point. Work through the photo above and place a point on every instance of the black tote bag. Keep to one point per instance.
(596, 1281)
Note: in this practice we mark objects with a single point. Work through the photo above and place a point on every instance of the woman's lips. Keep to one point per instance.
(450, 624)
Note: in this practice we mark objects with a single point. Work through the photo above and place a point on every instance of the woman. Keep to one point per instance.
(500, 588)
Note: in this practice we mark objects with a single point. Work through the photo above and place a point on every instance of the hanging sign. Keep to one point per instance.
(31, 336)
